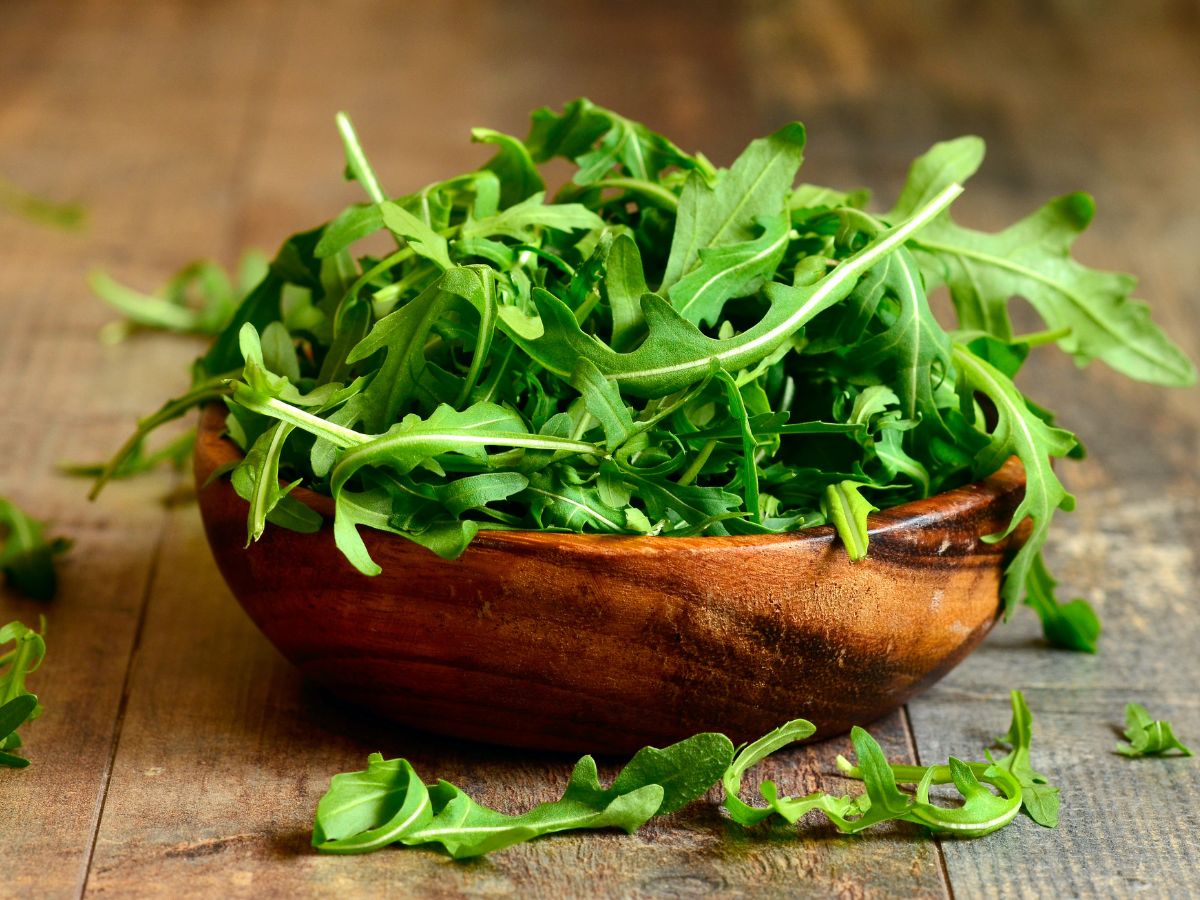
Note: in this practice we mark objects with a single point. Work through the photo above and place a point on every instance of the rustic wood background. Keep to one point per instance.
(180, 754)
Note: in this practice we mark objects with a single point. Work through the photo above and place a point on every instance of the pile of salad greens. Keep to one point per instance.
(658, 347)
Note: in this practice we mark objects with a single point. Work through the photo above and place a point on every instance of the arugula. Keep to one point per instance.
(17, 705)
(847, 509)
(1040, 798)
(26, 554)
(38, 210)
(1148, 736)
(981, 812)
(389, 804)
(198, 299)
(139, 460)
(1073, 625)
(662, 347)
(1031, 259)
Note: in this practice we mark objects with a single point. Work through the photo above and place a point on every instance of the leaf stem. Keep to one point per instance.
(356, 159)
(690, 473)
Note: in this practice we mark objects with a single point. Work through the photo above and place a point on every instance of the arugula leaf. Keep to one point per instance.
(138, 461)
(198, 299)
(754, 188)
(26, 554)
(603, 401)
(1019, 432)
(754, 753)
(388, 803)
(525, 220)
(675, 353)
(17, 705)
(1031, 259)
(1039, 798)
(599, 140)
(625, 285)
(981, 812)
(730, 270)
(38, 210)
(1148, 736)
(1073, 625)
(513, 165)
(848, 510)
(403, 336)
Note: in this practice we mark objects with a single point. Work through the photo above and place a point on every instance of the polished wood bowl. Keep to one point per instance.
(608, 643)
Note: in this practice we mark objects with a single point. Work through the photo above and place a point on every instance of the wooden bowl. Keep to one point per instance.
(608, 643)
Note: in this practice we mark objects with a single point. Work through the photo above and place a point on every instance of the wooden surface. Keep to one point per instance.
(180, 754)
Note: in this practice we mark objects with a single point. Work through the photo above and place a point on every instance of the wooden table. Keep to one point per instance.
(180, 754)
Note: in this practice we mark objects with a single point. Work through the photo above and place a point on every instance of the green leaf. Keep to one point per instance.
(603, 401)
(1019, 432)
(981, 812)
(684, 770)
(753, 189)
(751, 755)
(198, 299)
(39, 210)
(847, 509)
(138, 461)
(387, 803)
(884, 801)
(519, 177)
(260, 469)
(1039, 798)
(912, 344)
(556, 503)
(477, 491)
(423, 240)
(747, 464)
(599, 140)
(946, 163)
(403, 336)
(26, 554)
(730, 270)
(1073, 625)
(357, 222)
(1032, 259)
(525, 220)
(1148, 736)
(625, 285)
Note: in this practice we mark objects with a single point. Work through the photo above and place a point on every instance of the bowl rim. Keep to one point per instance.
(215, 449)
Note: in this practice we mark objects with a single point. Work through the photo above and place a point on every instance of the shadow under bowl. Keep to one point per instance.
(604, 644)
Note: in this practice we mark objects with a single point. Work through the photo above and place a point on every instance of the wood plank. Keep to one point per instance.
(76, 120)
(224, 752)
